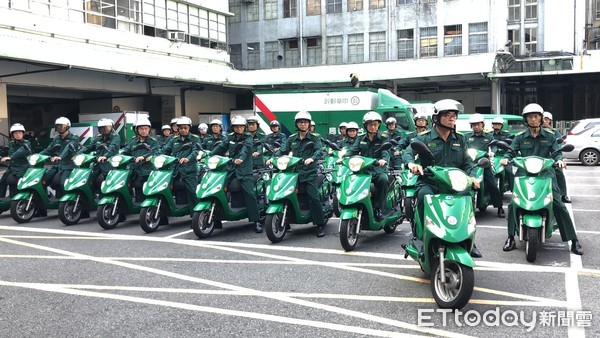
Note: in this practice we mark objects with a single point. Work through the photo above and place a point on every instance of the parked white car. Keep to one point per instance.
(581, 125)
(587, 146)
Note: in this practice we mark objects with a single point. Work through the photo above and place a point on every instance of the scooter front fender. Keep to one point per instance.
(354, 189)
(107, 200)
(348, 213)
(21, 195)
(532, 220)
(69, 197)
(457, 253)
(203, 205)
(274, 208)
(150, 202)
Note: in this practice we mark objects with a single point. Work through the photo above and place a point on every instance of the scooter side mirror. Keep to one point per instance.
(143, 145)
(309, 146)
(561, 140)
(394, 142)
(425, 154)
(334, 146)
(567, 148)
(502, 145)
(483, 162)
(508, 141)
(185, 146)
(238, 147)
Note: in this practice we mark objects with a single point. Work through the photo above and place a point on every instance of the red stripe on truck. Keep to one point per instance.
(263, 108)
(119, 120)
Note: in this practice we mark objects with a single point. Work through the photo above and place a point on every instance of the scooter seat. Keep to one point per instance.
(234, 185)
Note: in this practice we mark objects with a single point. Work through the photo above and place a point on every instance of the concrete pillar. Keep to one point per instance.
(4, 122)
(496, 96)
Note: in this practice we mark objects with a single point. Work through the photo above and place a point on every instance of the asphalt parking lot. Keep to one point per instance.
(82, 280)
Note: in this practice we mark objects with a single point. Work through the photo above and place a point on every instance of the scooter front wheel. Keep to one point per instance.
(202, 228)
(150, 218)
(275, 227)
(349, 233)
(531, 246)
(456, 292)
(68, 214)
(105, 217)
(19, 211)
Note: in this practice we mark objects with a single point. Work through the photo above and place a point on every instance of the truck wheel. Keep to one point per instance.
(19, 211)
(456, 292)
(200, 224)
(531, 246)
(149, 218)
(68, 214)
(275, 227)
(349, 233)
(105, 219)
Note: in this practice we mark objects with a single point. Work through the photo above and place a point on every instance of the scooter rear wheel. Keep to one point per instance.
(67, 213)
(149, 218)
(532, 243)
(105, 219)
(200, 224)
(275, 227)
(19, 213)
(456, 292)
(349, 233)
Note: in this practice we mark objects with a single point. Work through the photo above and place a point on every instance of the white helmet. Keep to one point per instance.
(143, 122)
(165, 127)
(476, 118)
(17, 127)
(238, 121)
(420, 115)
(63, 120)
(203, 126)
(104, 122)
(274, 123)
(498, 120)
(391, 120)
(343, 125)
(448, 105)
(548, 115)
(312, 123)
(533, 108)
(216, 121)
(352, 125)
(174, 120)
(371, 116)
(302, 115)
(252, 119)
(184, 120)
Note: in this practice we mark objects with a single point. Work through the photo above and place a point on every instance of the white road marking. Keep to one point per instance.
(572, 281)
(180, 234)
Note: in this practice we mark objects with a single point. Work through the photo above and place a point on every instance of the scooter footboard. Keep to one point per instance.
(457, 253)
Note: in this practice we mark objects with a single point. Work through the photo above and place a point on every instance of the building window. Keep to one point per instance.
(289, 8)
(478, 38)
(531, 9)
(253, 55)
(597, 9)
(514, 41)
(314, 51)
(356, 51)
(272, 54)
(313, 7)
(405, 2)
(235, 7)
(377, 46)
(334, 49)
(252, 11)
(514, 10)
(235, 56)
(271, 9)
(355, 5)
(374, 4)
(453, 40)
(428, 42)
(406, 44)
(291, 55)
(334, 6)
(124, 15)
(531, 40)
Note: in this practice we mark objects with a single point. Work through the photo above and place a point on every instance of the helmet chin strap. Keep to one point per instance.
(443, 126)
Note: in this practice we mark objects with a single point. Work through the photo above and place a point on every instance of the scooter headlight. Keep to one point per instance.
(116, 160)
(283, 162)
(355, 163)
(472, 153)
(78, 160)
(534, 165)
(458, 179)
(434, 228)
(159, 161)
(33, 159)
(212, 162)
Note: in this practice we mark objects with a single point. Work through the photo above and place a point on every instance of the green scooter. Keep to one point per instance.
(482, 198)
(532, 201)
(79, 197)
(158, 190)
(219, 201)
(354, 194)
(32, 197)
(288, 202)
(116, 201)
(443, 244)
(339, 172)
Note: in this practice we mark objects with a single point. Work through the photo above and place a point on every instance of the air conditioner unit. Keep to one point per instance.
(248, 1)
(176, 35)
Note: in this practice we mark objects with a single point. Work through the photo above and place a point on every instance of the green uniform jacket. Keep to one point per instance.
(210, 140)
(543, 145)
(298, 148)
(272, 138)
(142, 168)
(18, 152)
(258, 161)
(112, 143)
(65, 151)
(365, 147)
(480, 141)
(348, 142)
(244, 154)
(395, 135)
(449, 153)
(501, 136)
(173, 148)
